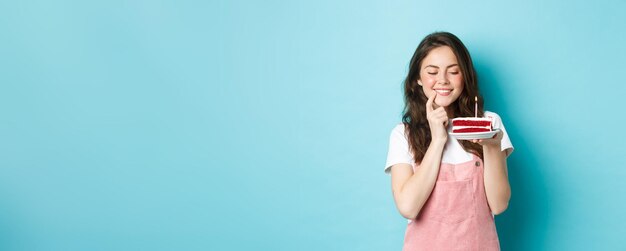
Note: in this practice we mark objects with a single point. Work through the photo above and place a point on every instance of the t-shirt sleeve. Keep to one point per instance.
(506, 144)
(398, 149)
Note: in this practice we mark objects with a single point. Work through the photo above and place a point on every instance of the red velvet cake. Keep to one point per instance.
(471, 124)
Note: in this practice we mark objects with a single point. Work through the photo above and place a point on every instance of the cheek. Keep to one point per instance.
(429, 81)
(457, 79)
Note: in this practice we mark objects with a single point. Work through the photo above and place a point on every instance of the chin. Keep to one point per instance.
(443, 104)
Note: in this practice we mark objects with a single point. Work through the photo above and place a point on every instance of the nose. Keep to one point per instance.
(442, 79)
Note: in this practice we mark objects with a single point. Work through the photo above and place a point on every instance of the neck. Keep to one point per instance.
(450, 112)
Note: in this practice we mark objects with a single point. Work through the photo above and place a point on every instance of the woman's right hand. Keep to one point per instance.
(437, 119)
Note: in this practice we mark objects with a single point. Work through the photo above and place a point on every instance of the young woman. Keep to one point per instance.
(449, 189)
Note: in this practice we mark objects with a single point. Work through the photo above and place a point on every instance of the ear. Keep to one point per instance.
(419, 82)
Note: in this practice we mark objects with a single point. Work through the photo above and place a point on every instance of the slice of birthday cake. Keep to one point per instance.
(471, 124)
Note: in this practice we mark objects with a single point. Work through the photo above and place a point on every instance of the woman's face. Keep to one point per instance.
(440, 73)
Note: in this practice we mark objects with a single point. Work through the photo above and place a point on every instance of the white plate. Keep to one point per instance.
(475, 135)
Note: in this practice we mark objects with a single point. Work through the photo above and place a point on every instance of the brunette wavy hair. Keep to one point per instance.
(414, 117)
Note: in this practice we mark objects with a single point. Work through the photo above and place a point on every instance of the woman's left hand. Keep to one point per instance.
(492, 142)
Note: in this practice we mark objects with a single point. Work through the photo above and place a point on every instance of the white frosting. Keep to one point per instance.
(463, 127)
(473, 119)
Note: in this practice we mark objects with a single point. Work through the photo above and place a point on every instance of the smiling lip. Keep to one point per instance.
(443, 92)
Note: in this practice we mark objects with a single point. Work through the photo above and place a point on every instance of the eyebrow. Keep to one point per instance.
(434, 66)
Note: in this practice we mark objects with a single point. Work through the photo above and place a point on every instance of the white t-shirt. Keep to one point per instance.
(453, 152)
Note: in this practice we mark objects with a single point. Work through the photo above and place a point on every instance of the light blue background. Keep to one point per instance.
(263, 125)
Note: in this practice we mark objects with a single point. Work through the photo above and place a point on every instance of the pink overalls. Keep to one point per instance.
(456, 216)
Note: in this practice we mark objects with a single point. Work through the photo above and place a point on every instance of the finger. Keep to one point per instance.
(441, 117)
(429, 103)
(440, 113)
(440, 110)
(437, 118)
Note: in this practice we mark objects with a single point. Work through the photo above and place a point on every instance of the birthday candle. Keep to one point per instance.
(476, 106)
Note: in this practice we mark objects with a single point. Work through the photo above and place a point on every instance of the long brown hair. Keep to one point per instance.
(414, 118)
